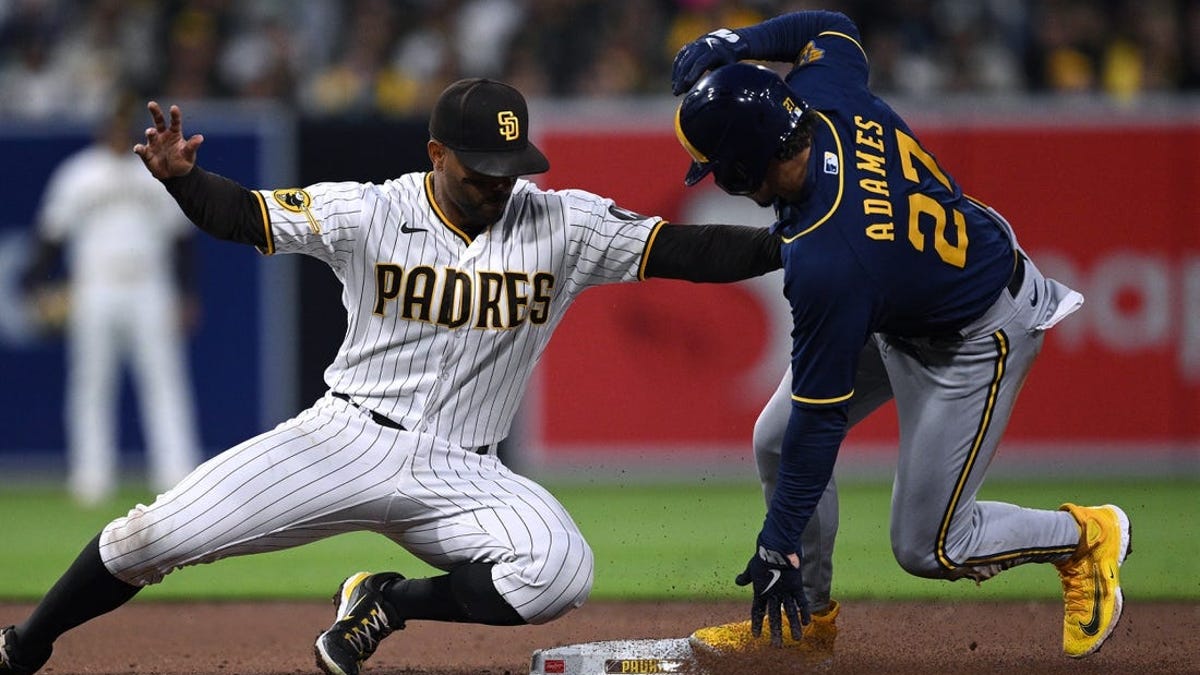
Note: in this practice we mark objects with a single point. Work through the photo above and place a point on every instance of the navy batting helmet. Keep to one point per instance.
(733, 122)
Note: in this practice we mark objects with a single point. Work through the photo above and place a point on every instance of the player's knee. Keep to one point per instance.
(567, 588)
(768, 436)
(129, 547)
(767, 449)
(916, 555)
(917, 563)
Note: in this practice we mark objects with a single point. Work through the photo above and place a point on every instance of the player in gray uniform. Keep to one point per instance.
(887, 263)
(453, 282)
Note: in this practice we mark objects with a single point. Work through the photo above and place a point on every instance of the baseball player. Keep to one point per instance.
(453, 282)
(885, 256)
(125, 306)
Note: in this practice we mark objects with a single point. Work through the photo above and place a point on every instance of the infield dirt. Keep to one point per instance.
(275, 638)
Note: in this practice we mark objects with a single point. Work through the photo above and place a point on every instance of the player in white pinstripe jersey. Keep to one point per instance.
(453, 281)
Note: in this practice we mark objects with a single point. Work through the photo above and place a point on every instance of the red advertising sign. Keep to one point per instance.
(1109, 210)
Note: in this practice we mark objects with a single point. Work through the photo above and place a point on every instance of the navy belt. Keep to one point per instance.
(1018, 275)
(385, 421)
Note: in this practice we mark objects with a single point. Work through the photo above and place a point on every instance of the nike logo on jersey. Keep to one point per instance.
(775, 575)
(408, 229)
(1033, 300)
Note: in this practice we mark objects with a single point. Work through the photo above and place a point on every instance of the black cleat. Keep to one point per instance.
(362, 623)
(13, 661)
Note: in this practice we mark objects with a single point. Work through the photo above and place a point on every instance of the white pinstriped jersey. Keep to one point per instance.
(444, 331)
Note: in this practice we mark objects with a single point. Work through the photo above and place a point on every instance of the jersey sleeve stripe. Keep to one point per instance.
(823, 401)
(269, 248)
(839, 34)
(641, 275)
(841, 183)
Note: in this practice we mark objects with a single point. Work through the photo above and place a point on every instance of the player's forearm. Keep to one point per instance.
(712, 253)
(784, 37)
(219, 206)
(810, 447)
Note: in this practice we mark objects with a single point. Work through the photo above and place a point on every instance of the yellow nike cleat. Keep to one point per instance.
(1091, 577)
(735, 637)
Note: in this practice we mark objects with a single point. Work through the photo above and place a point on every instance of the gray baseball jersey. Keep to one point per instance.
(442, 336)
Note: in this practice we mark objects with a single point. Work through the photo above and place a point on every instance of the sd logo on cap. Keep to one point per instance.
(486, 124)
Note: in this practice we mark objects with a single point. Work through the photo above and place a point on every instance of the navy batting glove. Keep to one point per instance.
(718, 48)
(777, 586)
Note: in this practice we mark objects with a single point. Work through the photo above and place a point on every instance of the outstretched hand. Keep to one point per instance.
(777, 585)
(166, 153)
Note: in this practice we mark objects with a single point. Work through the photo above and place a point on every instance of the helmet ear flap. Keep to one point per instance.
(733, 123)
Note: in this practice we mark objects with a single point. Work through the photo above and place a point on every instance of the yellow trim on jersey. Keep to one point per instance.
(976, 202)
(437, 210)
(841, 182)
(856, 43)
(270, 236)
(646, 251)
(823, 401)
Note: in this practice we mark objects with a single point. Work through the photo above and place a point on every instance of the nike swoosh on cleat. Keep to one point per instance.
(775, 574)
(1092, 627)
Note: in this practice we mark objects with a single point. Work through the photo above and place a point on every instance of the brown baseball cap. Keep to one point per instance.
(486, 124)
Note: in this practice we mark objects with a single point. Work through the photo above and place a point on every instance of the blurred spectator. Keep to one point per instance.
(695, 17)
(112, 43)
(425, 54)
(483, 31)
(361, 80)
(628, 64)
(195, 38)
(391, 57)
(561, 39)
(259, 61)
(31, 83)
(1189, 77)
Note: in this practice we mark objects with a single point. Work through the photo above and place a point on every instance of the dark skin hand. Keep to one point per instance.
(166, 153)
(471, 200)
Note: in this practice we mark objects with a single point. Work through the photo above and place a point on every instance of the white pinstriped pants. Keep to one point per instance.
(332, 470)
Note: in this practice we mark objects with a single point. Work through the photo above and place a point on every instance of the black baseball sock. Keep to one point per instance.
(85, 591)
(465, 595)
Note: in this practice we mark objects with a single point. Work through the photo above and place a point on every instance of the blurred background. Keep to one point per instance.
(1079, 120)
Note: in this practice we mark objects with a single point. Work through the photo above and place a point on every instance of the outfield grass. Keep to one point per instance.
(674, 540)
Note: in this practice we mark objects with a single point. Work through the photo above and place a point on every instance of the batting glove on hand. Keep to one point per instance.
(777, 584)
(718, 48)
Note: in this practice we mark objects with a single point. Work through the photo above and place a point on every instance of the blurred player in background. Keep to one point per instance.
(900, 286)
(125, 304)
